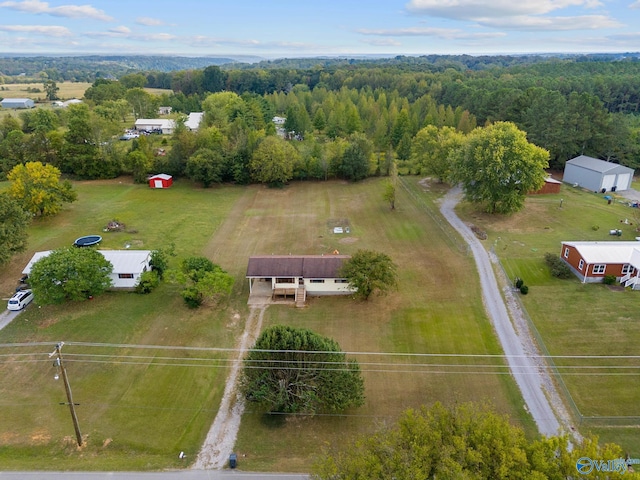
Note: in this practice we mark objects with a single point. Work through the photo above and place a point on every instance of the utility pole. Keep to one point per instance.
(67, 388)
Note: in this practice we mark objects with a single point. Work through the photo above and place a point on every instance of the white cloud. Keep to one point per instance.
(584, 22)
(125, 32)
(149, 22)
(69, 11)
(46, 30)
(472, 9)
(445, 33)
(635, 4)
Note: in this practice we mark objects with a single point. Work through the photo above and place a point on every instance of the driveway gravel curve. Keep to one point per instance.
(527, 366)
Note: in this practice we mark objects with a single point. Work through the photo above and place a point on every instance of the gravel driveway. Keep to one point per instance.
(527, 367)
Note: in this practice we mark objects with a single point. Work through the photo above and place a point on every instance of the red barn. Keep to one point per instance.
(551, 185)
(162, 180)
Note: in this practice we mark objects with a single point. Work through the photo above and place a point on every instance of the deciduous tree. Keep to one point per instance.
(272, 161)
(465, 441)
(205, 166)
(294, 370)
(13, 227)
(38, 188)
(497, 167)
(70, 274)
(370, 271)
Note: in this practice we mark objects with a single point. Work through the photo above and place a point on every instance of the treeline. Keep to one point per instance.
(341, 122)
(16, 69)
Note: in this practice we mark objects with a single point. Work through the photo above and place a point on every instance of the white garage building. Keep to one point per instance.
(597, 175)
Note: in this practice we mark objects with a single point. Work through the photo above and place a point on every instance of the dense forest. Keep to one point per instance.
(345, 118)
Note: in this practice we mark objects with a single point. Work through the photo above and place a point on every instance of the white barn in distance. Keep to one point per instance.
(597, 175)
(17, 103)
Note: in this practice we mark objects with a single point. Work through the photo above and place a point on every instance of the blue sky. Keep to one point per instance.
(287, 28)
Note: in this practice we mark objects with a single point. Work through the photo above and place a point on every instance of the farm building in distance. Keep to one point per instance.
(162, 180)
(193, 121)
(299, 275)
(128, 265)
(597, 175)
(155, 125)
(17, 103)
(591, 261)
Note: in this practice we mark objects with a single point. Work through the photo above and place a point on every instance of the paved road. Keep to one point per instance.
(531, 385)
(7, 317)
(177, 475)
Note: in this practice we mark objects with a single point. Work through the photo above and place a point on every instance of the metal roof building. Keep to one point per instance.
(597, 175)
(17, 103)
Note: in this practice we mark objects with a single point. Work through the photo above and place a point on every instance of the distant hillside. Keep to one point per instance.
(88, 68)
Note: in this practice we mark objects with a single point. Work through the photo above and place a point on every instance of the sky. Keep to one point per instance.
(301, 28)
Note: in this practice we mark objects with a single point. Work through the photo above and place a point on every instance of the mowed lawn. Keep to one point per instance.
(574, 318)
(140, 407)
(435, 310)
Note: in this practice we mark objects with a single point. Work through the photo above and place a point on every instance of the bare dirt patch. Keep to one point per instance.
(348, 240)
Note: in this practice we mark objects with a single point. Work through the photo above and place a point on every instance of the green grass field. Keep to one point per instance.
(575, 318)
(141, 407)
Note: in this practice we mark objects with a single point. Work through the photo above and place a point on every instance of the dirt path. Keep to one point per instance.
(529, 370)
(222, 435)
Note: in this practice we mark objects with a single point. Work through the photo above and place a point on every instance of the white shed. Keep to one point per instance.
(156, 125)
(597, 175)
(17, 103)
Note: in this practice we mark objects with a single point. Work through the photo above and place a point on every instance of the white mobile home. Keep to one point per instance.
(128, 265)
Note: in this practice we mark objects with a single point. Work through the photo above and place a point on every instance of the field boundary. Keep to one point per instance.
(582, 420)
(437, 218)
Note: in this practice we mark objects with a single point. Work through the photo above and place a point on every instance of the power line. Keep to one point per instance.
(390, 354)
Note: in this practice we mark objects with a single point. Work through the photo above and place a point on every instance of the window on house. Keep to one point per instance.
(581, 264)
(316, 280)
(627, 269)
(341, 280)
(125, 275)
(566, 253)
(285, 280)
(599, 268)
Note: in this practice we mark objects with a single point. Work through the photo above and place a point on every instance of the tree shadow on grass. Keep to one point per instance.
(273, 420)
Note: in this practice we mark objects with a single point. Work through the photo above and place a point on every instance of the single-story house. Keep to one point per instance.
(17, 103)
(162, 180)
(164, 110)
(551, 185)
(591, 261)
(193, 121)
(155, 125)
(597, 175)
(300, 274)
(128, 265)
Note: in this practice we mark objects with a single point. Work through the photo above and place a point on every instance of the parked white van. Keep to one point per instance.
(20, 300)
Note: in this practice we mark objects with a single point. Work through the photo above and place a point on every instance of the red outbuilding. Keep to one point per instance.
(162, 180)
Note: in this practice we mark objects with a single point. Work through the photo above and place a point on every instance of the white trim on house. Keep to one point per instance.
(317, 273)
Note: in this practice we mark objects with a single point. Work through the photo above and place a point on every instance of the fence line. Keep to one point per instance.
(582, 419)
(437, 218)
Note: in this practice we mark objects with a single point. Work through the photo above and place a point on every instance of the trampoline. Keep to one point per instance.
(87, 241)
